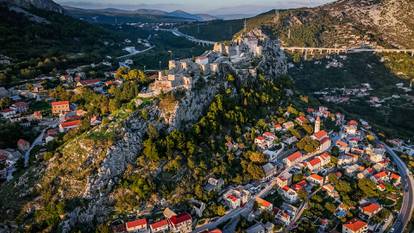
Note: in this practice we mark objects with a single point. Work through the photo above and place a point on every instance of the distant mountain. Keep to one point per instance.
(48, 5)
(112, 15)
(34, 29)
(96, 5)
(348, 23)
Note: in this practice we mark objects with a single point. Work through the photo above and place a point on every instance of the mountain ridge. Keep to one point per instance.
(49, 5)
(344, 23)
(179, 15)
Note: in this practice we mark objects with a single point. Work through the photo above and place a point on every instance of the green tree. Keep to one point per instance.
(330, 207)
(256, 157)
(150, 150)
(5, 102)
(368, 188)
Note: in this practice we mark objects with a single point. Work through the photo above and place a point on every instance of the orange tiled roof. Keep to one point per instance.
(355, 225)
(371, 208)
(294, 156)
(316, 177)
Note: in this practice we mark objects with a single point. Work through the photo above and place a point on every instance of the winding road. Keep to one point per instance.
(36, 142)
(407, 206)
(188, 37)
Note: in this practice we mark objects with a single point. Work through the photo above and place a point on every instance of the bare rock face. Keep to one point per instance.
(193, 105)
(118, 156)
(274, 60)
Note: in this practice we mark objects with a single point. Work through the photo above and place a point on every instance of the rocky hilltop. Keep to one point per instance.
(76, 186)
(392, 19)
(344, 23)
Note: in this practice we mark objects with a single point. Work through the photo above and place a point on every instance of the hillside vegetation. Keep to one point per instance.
(23, 39)
(348, 23)
(217, 30)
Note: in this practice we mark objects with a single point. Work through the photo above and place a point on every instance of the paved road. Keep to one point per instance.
(407, 206)
(188, 37)
(136, 53)
(52, 123)
(36, 142)
(302, 208)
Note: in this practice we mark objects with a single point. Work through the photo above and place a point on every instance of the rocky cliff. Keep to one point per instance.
(100, 183)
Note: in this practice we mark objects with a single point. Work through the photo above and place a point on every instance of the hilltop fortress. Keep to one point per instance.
(243, 55)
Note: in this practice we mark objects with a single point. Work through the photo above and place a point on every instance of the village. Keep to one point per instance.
(345, 95)
(297, 180)
(307, 180)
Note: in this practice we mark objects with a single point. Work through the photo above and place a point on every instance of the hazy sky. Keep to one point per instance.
(194, 5)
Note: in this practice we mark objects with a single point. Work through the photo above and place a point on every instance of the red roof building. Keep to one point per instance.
(315, 178)
(291, 159)
(263, 204)
(65, 126)
(371, 209)
(90, 82)
(355, 226)
(160, 226)
(381, 187)
(259, 139)
(320, 135)
(181, 222)
(380, 176)
(300, 185)
(301, 120)
(353, 122)
(60, 107)
(277, 127)
(137, 225)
